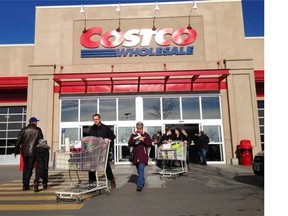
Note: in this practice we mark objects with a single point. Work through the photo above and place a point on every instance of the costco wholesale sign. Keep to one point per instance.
(166, 38)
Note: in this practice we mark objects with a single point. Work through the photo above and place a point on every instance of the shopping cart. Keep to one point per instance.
(173, 151)
(92, 157)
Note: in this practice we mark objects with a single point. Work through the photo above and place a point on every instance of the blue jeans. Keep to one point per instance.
(203, 152)
(141, 178)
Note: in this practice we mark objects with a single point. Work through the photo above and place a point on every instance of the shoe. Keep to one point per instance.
(25, 188)
(45, 186)
(138, 189)
(113, 183)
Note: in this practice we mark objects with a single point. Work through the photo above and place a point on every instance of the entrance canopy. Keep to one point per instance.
(149, 81)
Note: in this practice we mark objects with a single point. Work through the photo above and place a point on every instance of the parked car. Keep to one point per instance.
(258, 164)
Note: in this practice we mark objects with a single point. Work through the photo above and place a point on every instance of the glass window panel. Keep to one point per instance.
(210, 108)
(69, 110)
(107, 109)
(151, 108)
(260, 103)
(262, 138)
(11, 142)
(13, 134)
(3, 110)
(2, 134)
(262, 129)
(171, 108)
(261, 121)
(126, 109)
(123, 153)
(15, 110)
(261, 113)
(3, 126)
(15, 117)
(190, 108)
(13, 126)
(2, 142)
(153, 130)
(3, 118)
(2, 151)
(71, 133)
(214, 153)
(124, 134)
(87, 109)
(10, 150)
(213, 132)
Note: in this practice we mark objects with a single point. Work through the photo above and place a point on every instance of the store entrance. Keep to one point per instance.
(191, 130)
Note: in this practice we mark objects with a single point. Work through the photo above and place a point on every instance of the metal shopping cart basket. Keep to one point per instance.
(92, 157)
(173, 151)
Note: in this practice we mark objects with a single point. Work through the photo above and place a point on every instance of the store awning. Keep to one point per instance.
(149, 81)
(13, 83)
(259, 75)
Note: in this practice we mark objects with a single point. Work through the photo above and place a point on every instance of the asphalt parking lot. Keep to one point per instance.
(220, 190)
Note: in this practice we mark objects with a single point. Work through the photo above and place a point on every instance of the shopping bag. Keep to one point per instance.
(21, 164)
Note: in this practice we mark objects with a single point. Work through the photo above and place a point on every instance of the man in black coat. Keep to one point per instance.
(26, 142)
(202, 142)
(101, 130)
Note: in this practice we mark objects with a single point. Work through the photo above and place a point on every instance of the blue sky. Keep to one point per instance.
(17, 17)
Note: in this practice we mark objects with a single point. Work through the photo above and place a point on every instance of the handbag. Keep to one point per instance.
(131, 155)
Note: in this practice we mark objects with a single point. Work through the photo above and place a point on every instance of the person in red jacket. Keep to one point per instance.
(140, 141)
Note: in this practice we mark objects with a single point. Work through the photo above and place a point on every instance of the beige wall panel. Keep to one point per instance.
(243, 108)
(56, 124)
(256, 46)
(48, 30)
(14, 60)
(40, 103)
(229, 148)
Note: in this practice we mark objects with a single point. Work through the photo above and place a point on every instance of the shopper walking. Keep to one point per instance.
(42, 159)
(26, 144)
(101, 130)
(203, 141)
(140, 141)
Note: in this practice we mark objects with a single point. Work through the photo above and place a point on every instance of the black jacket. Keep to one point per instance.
(28, 139)
(103, 131)
(202, 141)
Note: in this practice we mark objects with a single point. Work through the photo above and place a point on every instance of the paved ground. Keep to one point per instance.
(213, 190)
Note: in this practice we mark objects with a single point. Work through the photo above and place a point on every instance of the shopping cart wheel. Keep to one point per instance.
(79, 199)
(58, 199)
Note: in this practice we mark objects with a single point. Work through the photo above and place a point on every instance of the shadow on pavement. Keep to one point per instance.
(251, 180)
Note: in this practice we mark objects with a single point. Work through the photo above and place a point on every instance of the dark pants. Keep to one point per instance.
(203, 153)
(28, 170)
(109, 173)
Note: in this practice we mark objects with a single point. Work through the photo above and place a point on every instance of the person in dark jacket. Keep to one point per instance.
(101, 130)
(140, 141)
(42, 158)
(27, 141)
(202, 141)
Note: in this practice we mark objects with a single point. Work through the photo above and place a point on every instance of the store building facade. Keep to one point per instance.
(172, 67)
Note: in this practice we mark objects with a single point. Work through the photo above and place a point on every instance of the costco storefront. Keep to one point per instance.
(137, 65)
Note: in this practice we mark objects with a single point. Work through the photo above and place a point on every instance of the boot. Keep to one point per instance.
(45, 185)
(36, 184)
